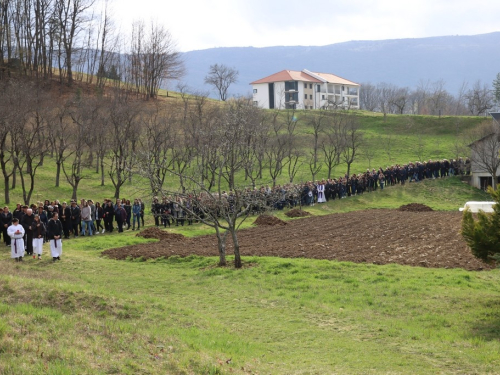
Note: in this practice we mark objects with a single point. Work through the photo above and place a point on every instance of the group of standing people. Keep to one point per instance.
(25, 233)
(27, 228)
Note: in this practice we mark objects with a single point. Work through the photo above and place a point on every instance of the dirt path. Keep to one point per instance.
(426, 239)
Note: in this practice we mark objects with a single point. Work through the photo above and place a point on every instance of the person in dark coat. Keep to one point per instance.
(5, 222)
(38, 236)
(65, 219)
(27, 224)
(120, 216)
(109, 214)
(74, 217)
(156, 210)
(54, 233)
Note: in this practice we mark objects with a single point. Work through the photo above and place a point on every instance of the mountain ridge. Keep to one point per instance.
(402, 62)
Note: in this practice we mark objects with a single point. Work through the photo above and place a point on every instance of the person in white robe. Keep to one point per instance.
(54, 234)
(38, 237)
(16, 234)
(321, 193)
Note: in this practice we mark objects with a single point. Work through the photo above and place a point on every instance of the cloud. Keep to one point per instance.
(199, 24)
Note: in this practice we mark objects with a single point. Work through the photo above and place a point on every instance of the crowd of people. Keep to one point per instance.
(27, 228)
(184, 207)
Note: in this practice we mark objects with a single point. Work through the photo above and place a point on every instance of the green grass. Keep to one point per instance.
(93, 315)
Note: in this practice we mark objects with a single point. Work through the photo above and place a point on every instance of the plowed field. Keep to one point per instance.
(426, 239)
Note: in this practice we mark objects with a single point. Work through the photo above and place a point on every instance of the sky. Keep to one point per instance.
(202, 24)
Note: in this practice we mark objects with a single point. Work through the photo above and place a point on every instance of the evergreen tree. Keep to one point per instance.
(483, 235)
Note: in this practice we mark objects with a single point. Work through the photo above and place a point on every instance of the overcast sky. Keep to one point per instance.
(201, 24)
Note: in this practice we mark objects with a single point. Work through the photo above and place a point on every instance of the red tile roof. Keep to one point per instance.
(332, 78)
(287, 75)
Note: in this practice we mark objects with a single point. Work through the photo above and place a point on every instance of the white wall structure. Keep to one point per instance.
(489, 147)
(305, 90)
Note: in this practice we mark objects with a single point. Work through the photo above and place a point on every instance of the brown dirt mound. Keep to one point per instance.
(297, 213)
(423, 239)
(159, 234)
(415, 207)
(269, 220)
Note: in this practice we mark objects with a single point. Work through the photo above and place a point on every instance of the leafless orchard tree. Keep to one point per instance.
(158, 124)
(59, 129)
(332, 143)
(353, 140)
(278, 145)
(29, 138)
(124, 130)
(317, 122)
(221, 77)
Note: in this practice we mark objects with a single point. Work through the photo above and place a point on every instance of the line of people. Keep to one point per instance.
(27, 228)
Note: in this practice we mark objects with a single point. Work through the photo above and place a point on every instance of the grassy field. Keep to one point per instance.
(91, 315)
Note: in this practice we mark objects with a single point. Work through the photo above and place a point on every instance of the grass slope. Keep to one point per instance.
(91, 315)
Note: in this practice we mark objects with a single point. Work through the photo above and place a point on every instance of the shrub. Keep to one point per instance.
(483, 235)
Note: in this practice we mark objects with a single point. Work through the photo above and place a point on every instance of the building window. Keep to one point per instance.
(305, 96)
(310, 85)
(255, 103)
(318, 88)
(255, 91)
(310, 97)
(291, 86)
(323, 97)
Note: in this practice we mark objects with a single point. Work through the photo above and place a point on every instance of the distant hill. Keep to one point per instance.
(403, 62)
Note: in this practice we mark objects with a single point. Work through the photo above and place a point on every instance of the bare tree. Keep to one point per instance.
(353, 139)
(124, 131)
(153, 59)
(278, 145)
(71, 16)
(221, 77)
(333, 143)
(156, 145)
(317, 121)
(29, 139)
(479, 99)
(368, 97)
(485, 149)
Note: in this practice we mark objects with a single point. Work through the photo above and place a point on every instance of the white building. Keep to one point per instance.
(485, 154)
(305, 90)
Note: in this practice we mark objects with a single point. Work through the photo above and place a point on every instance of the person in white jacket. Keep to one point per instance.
(16, 233)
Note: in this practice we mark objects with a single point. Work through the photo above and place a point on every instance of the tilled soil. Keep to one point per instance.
(159, 234)
(296, 212)
(415, 207)
(269, 220)
(425, 239)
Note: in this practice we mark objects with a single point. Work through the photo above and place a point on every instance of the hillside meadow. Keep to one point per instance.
(91, 315)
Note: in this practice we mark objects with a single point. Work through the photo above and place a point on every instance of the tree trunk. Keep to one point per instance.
(236, 245)
(221, 242)
(14, 178)
(102, 170)
(58, 173)
(75, 188)
(6, 189)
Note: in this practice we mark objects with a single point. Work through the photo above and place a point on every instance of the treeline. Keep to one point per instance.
(431, 98)
(70, 40)
(191, 138)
